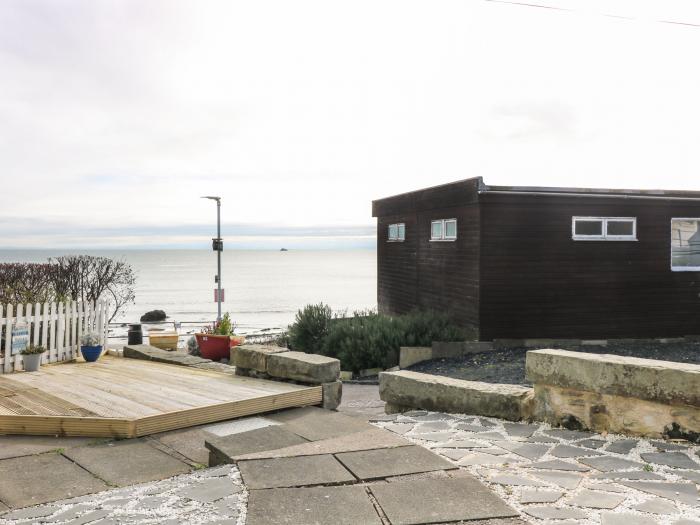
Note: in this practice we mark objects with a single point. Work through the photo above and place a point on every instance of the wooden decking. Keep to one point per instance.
(118, 397)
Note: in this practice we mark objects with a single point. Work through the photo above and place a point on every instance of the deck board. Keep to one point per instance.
(127, 397)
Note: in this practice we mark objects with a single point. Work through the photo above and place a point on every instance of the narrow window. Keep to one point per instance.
(397, 232)
(685, 245)
(443, 230)
(604, 228)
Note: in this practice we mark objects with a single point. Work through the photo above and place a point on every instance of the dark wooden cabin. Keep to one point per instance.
(526, 262)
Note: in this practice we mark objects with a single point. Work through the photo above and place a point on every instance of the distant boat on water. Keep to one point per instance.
(284, 250)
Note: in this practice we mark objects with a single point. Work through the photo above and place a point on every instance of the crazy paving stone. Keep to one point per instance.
(400, 428)
(520, 429)
(489, 435)
(463, 443)
(486, 422)
(622, 446)
(555, 513)
(439, 500)
(454, 454)
(210, 490)
(657, 506)
(690, 475)
(566, 480)
(541, 439)
(433, 436)
(540, 496)
(568, 451)
(625, 518)
(531, 451)
(606, 487)
(667, 446)
(557, 464)
(671, 459)
(608, 463)
(519, 481)
(569, 435)
(468, 427)
(431, 426)
(595, 500)
(478, 458)
(630, 474)
(591, 443)
(684, 492)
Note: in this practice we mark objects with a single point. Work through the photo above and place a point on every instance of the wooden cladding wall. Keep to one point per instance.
(419, 273)
(536, 282)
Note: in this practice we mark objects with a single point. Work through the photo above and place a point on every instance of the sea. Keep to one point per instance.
(263, 289)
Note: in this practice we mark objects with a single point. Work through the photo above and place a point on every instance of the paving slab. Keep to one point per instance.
(17, 446)
(555, 513)
(520, 429)
(347, 505)
(569, 451)
(684, 492)
(668, 446)
(469, 427)
(514, 480)
(293, 472)
(539, 438)
(400, 428)
(591, 443)
(127, 462)
(622, 446)
(606, 487)
(566, 480)
(367, 440)
(595, 500)
(384, 463)
(40, 511)
(209, 490)
(480, 458)
(490, 435)
(237, 426)
(690, 475)
(431, 426)
(463, 443)
(629, 474)
(435, 437)
(532, 451)
(671, 459)
(438, 501)
(609, 463)
(225, 449)
(557, 464)
(316, 423)
(657, 506)
(188, 442)
(625, 518)
(569, 435)
(540, 496)
(454, 454)
(31, 480)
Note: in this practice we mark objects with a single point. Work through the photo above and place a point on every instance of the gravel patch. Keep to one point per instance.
(508, 366)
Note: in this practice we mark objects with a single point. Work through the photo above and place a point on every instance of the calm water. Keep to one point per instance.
(264, 289)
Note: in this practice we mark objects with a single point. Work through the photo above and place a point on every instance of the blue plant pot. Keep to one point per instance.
(91, 353)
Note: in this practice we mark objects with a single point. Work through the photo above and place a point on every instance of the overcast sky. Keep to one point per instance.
(115, 116)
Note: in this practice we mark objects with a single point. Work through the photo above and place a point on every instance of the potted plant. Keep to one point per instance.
(215, 343)
(31, 357)
(90, 346)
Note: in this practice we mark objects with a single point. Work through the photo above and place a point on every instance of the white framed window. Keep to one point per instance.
(685, 245)
(443, 230)
(397, 232)
(604, 228)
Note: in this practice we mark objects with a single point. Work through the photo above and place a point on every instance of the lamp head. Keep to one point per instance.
(211, 197)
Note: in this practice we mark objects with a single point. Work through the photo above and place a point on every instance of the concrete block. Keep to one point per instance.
(332, 394)
(444, 394)
(647, 379)
(345, 375)
(410, 355)
(307, 368)
(254, 356)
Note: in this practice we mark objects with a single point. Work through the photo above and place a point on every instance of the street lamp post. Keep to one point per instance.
(218, 245)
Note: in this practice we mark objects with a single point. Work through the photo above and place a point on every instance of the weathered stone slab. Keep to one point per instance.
(608, 463)
(657, 506)
(481, 458)
(413, 389)
(16, 446)
(411, 355)
(254, 357)
(569, 451)
(314, 423)
(209, 490)
(349, 505)
(31, 480)
(384, 463)
(593, 444)
(189, 442)
(307, 368)
(439, 501)
(332, 394)
(520, 429)
(622, 446)
(555, 513)
(367, 440)
(514, 480)
(666, 446)
(531, 451)
(684, 492)
(557, 464)
(224, 449)
(625, 518)
(540, 496)
(566, 480)
(628, 474)
(671, 459)
(596, 500)
(127, 462)
(293, 472)
(649, 379)
(569, 435)
(151, 353)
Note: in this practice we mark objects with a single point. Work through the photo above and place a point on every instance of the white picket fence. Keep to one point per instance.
(55, 326)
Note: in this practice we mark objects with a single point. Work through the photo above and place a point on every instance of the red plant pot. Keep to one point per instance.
(214, 347)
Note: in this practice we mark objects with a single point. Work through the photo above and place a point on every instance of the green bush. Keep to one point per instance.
(368, 339)
(310, 328)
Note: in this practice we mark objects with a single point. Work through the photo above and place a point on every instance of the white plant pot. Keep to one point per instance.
(31, 362)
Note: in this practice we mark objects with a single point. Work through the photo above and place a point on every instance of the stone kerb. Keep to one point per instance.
(615, 393)
(406, 390)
